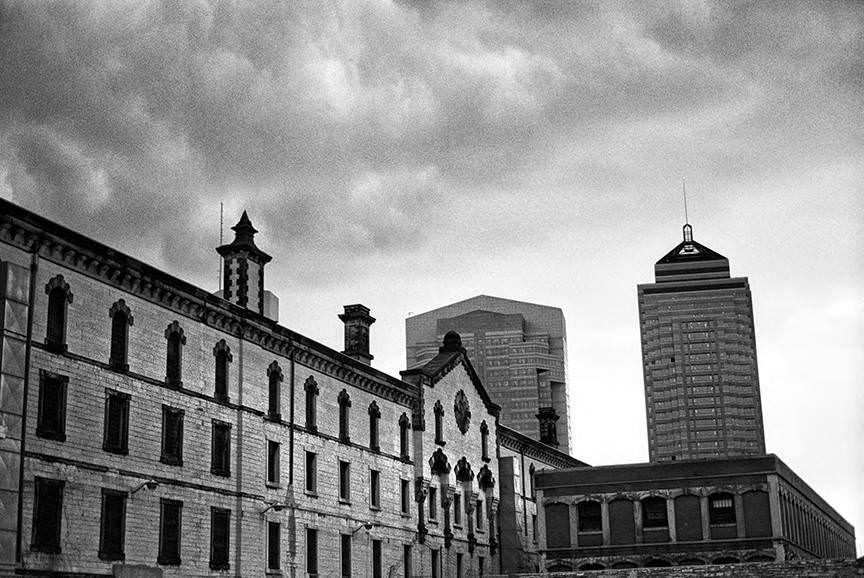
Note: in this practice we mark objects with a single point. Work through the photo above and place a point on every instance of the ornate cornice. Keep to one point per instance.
(34, 234)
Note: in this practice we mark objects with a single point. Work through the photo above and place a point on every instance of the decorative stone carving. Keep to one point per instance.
(463, 470)
(438, 463)
(462, 411)
(485, 478)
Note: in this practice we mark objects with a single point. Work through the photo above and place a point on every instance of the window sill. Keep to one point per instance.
(220, 473)
(273, 485)
(57, 437)
(406, 514)
(433, 521)
(375, 508)
(118, 451)
(345, 501)
(171, 462)
(311, 493)
(457, 526)
(168, 561)
(274, 573)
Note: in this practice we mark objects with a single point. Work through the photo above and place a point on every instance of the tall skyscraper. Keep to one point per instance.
(699, 358)
(518, 349)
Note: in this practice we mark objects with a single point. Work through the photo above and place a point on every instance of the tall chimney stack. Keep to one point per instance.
(357, 321)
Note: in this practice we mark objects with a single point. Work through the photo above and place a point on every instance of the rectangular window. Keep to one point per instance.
(376, 558)
(272, 462)
(51, 421)
(311, 474)
(433, 503)
(590, 519)
(113, 525)
(479, 514)
(346, 555)
(374, 489)
(170, 529)
(721, 509)
(480, 561)
(457, 509)
(47, 515)
(172, 436)
(458, 565)
(344, 481)
(406, 496)
(220, 532)
(435, 565)
(311, 551)
(534, 527)
(406, 561)
(116, 434)
(273, 541)
(220, 457)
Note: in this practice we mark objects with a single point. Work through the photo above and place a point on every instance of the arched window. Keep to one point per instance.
(344, 405)
(274, 377)
(404, 437)
(174, 359)
(721, 509)
(654, 513)
(121, 320)
(439, 423)
(311, 388)
(58, 297)
(374, 418)
(532, 490)
(223, 357)
(484, 440)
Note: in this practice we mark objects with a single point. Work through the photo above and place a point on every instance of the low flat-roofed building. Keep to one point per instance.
(682, 513)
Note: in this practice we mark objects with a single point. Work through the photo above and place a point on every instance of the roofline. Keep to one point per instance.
(481, 296)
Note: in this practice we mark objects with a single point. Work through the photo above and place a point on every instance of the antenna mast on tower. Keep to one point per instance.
(219, 278)
(684, 190)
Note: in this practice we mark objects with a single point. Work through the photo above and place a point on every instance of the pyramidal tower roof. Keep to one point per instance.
(691, 261)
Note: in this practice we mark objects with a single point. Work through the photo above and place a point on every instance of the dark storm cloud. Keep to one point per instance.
(352, 130)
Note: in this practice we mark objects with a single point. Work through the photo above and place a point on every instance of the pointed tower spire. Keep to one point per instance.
(243, 271)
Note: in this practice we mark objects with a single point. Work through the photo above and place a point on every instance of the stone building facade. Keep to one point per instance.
(702, 395)
(518, 349)
(684, 513)
(151, 428)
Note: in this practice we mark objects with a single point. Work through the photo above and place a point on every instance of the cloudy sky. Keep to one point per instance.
(406, 155)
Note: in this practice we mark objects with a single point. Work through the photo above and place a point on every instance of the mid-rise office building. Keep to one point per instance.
(520, 353)
(699, 358)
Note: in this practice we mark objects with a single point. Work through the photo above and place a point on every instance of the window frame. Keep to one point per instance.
(57, 313)
(273, 462)
(119, 446)
(405, 496)
(374, 422)
(344, 416)
(311, 551)
(311, 473)
(121, 321)
(220, 465)
(175, 340)
(168, 558)
(61, 382)
(649, 503)
(168, 457)
(345, 554)
(433, 503)
(274, 392)
(344, 482)
(44, 538)
(596, 520)
(220, 560)
(274, 551)
(109, 537)
(310, 386)
(221, 374)
(374, 489)
(722, 516)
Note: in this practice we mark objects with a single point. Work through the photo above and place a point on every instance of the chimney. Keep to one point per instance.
(548, 431)
(357, 321)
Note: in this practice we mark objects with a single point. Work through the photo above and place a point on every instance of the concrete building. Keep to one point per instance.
(720, 511)
(151, 428)
(520, 353)
(699, 358)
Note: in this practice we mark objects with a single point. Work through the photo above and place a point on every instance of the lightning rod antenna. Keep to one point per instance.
(221, 212)
(684, 190)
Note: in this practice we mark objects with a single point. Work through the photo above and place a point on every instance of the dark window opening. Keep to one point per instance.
(534, 527)
(457, 509)
(311, 551)
(311, 387)
(374, 418)
(58, 296)
(172, 436)
(458, 565)
(274, 532)
(311, 474)
(47, 515)
(439, 423)
(220, 457)
(220, 532)
(590, 519)
(406, 561)
(404, 437)
(654, 513)
(435, 564)
(478, 509)
(374, 488)
(346, 556)
(174, 358)
(433, 503)
(113, 525)
(344, 405)
(116, 432)
(721, 509)
(223, 358)
(272, 462)
(376, 558)
(170, 529)
(406, 496)
(121, 319)
(531, 472)
(484, 440)
(51, 420)
(274, 376)
(344, 481)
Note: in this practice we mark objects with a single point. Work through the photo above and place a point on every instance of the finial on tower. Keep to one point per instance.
(688, 230)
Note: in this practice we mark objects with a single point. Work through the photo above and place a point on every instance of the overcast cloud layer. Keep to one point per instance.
(406, 155)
